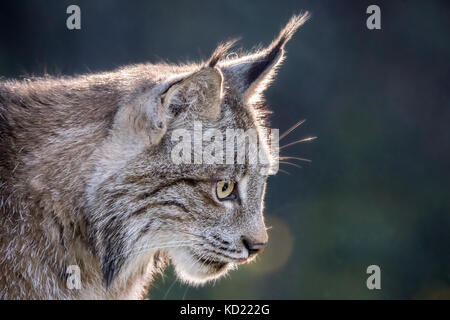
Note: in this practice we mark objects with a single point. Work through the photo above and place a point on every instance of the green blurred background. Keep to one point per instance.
(377, 190)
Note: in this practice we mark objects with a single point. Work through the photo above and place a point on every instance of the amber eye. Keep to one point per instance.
(224, 190)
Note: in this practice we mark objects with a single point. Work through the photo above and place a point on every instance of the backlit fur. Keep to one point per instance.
(86, 177)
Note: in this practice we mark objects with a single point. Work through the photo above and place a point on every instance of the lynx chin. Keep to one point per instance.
(86, 177)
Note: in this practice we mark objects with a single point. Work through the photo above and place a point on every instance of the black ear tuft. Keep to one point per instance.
(219, 53)
(288, 31)
(274, 52)
(253, 72)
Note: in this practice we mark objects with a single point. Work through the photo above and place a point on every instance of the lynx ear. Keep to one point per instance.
(199, 94)
(253, 73)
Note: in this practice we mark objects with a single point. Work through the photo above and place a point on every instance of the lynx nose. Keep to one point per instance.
(252, 246)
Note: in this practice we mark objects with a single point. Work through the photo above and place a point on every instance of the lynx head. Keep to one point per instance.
(205, 216)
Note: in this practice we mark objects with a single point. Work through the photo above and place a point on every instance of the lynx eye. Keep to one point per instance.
(224, 190)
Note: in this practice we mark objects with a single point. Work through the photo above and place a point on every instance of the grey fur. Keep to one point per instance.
(86, 177)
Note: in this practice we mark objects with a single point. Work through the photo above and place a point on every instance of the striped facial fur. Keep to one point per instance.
(88, 179)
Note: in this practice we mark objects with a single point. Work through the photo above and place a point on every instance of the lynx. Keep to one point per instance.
(86, 177)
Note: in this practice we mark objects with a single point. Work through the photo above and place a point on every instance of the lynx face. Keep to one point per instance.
(205, 218)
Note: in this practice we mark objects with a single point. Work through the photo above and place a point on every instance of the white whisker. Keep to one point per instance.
(295, 126)
(298, 141)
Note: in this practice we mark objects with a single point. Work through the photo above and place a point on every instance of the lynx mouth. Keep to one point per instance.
(210, 262)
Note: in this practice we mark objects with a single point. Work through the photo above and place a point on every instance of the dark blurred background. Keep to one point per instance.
(377, 190)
